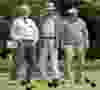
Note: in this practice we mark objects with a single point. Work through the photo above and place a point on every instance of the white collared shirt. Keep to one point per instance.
(24, 29)
(49, 27)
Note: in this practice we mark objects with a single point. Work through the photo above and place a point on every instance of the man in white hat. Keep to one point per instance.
(49, 41)
(75, 43)
(25, 31)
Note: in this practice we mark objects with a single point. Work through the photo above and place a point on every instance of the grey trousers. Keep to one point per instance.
(25, 59)
(48, 47)
(69, 54)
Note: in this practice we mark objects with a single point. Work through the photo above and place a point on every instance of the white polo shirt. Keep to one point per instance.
(48, 27)
(24, 29)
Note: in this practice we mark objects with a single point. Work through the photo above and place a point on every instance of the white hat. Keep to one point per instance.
(51, 6)
(73, 10)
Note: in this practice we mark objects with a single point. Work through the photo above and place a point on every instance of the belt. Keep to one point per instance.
(25, 43)
(47, 37)
(74, 44)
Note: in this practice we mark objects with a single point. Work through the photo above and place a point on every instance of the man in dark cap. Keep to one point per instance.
(75, 41)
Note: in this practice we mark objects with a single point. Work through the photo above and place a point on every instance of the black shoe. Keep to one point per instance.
(23, 82)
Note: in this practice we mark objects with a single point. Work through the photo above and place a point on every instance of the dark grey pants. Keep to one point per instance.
(25, 54)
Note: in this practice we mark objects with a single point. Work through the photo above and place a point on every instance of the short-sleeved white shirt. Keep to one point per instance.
(24, 29)
(48, 27)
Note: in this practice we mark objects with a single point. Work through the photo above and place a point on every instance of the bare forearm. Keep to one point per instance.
(86, 44)
(85, 38)
(35, 36)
